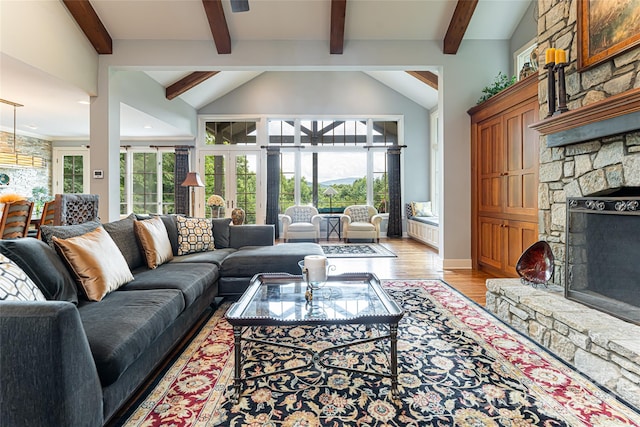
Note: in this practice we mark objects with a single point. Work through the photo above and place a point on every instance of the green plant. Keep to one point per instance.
(501, 82)
(40, 195)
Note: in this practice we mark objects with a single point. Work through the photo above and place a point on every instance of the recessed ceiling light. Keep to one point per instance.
(83, 102)
(32, 127)
(147, 126)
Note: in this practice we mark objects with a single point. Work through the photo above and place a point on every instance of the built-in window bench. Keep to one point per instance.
(424, 229)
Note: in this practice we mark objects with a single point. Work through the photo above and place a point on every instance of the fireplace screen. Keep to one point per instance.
(603, 254)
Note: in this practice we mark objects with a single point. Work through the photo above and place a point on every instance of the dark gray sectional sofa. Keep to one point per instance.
(73, 362)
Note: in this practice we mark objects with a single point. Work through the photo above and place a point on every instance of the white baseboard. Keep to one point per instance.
(456, 264)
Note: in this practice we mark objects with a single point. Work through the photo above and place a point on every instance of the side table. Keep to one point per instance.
(334, 225)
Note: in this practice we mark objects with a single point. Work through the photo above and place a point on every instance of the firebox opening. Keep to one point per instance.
(603, 253)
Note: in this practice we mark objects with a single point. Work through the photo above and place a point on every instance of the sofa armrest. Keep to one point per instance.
(251, 235)
(47, 373)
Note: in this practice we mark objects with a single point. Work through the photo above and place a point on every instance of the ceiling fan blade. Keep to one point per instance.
(239, 5)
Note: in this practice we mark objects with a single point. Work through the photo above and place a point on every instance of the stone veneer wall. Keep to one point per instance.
(24, 179)
(591, 166)
(603, 347)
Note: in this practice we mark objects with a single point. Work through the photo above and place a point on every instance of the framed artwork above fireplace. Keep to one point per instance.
(606, 29)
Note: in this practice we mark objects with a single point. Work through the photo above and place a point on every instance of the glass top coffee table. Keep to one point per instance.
(278, 299)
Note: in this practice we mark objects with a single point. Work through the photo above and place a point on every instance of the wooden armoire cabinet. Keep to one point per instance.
(504, 175)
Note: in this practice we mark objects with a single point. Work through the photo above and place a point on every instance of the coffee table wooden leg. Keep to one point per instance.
(237, 350)
(393, 335)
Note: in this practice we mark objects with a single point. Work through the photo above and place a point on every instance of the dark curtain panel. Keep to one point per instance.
(273, 187)
(394, 228)
(182, 169)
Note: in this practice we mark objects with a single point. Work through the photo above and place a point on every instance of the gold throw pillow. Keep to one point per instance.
(96, 262)
(153, 237)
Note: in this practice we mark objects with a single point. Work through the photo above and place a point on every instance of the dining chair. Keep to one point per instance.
(15, 219)
(48, 216)
(74, 209)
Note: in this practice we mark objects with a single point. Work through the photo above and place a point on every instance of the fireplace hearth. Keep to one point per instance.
(602, 266)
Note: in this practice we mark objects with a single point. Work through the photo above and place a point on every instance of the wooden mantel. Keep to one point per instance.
(615, 106)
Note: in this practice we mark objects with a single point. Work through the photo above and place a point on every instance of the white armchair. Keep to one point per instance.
(300, 222)
(361, 222)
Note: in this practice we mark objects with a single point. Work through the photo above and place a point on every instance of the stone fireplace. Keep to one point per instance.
(588, 154)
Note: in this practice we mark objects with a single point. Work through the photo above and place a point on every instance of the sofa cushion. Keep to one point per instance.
(96, 262)
(211, 257)
(281, 258)
(190, 278)
(15, 285)
(123, 235)
(194, 235)
(221, 232)
(43, 265)
(152, 235)
(124, 324)
(47, 232)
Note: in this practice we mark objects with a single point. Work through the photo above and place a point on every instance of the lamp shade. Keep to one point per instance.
(192, 180)
(330, 191)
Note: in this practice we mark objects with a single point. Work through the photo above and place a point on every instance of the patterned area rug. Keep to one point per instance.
(459, 366)
(356, 250)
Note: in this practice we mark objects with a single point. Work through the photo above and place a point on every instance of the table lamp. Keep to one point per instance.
(192, 180)
(330, 191)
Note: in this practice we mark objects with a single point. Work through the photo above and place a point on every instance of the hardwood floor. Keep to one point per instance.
(415, 261)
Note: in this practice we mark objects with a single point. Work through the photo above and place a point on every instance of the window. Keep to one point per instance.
(435, 163)
(73, 173)
(230, 133)
(523, 56)
(348, 155)
(147, 181)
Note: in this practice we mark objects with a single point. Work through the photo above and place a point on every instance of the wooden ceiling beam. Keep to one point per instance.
(458, 25)
(90, 24)
(218, 25)
(188, 82)
(338, 13)
(426, 77)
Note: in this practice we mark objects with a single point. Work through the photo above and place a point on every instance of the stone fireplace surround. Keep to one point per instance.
(602, 346)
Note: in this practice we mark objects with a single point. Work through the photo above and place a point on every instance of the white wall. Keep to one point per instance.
(296, 93)
(62, 51)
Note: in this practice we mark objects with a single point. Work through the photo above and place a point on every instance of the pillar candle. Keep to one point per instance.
(316, 267)
(550, 55)
(561, 56)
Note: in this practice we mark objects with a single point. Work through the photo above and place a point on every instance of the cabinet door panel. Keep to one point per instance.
(521, 146)
(490, 166)
(491, 241)
(520, 235)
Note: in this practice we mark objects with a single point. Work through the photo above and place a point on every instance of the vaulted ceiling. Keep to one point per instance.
(337, 22)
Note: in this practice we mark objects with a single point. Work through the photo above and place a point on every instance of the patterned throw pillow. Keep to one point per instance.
(359, 214)
(422, 209)
(15, 285)
(300, 214)
(194, 235)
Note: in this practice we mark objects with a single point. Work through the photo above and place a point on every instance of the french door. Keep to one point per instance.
(235, 176)
(70, 170)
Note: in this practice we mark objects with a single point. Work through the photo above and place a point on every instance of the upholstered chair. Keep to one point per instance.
(301, 223)
(361, 222)
(74, 209)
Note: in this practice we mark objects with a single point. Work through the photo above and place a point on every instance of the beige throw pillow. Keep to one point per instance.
(96, 262)
(153, 237)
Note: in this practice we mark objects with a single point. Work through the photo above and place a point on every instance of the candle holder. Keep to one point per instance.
(551, 88)
(562, 88)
